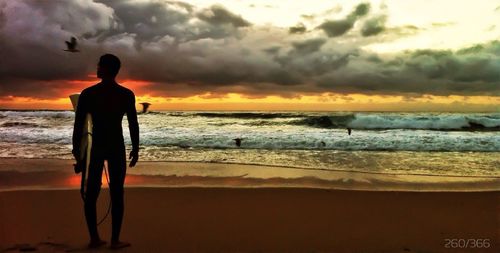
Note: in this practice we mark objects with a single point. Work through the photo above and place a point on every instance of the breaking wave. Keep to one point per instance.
(385, 122)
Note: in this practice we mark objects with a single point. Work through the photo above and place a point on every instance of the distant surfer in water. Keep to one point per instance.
(107, 102)
(349, 130)
(237, 141)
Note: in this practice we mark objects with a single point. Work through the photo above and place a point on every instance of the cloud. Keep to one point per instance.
(472, 70)
(374, 26)
(272, 50)
(148, 20)
(32, 48)
(360, 10)
(307, 46)
(334, 28)
(218, 15)
(181, 50)
(403, 30)
(2, 17)
(152, 21)
(325, 13)
(298, 29)
(442, 24)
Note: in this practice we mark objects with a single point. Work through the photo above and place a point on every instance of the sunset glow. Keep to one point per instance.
(258, 55)
(322, 102)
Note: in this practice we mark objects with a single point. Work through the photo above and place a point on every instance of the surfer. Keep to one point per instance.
(237, 141)
(106, 102)
(349, 130)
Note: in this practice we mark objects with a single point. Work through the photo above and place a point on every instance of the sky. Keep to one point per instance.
(391, 55)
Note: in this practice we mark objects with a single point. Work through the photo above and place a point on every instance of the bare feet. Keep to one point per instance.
(119, 245)
(96, 243)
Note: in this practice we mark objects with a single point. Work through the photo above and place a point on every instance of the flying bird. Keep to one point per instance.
(71, 45)
(145, 107)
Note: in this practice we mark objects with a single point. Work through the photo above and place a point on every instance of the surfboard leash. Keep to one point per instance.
(82, 193)
(109, 203)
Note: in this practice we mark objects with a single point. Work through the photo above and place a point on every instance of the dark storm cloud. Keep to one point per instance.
(2, 18)
(307, 59)
(151, 21)
(337, 27)
(443, 64)
(148, 20)
(334, 28)
(297, 29)
(272, 50)
(111, 27)
(473, 70)
(361, 10)
(32, 46)
(374, 26)
(308, 46)
(182, 50)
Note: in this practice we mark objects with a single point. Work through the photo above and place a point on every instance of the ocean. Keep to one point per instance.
(457, 144)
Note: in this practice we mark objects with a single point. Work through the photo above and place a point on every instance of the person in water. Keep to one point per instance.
(237, 141)
(107, 102)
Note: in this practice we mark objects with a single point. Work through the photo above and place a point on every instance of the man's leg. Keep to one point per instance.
(117, 170)
(93, 188)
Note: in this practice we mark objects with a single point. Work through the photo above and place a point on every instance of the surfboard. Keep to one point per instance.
(85, 145)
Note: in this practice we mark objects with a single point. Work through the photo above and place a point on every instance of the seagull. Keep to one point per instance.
(145, 107)
(71, 45)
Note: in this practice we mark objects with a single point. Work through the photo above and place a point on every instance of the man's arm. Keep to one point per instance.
(133, 127)
(81, 112)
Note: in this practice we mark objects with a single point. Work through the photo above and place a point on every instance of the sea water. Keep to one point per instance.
(380, 142)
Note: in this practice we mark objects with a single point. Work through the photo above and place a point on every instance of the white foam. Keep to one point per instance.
(421, 122)
(191, 131)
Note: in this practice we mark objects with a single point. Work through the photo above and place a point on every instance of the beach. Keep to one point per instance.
(221, 126)
(280, 215)
(258, 220)
(400, 182)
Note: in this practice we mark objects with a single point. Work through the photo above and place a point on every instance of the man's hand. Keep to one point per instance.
(134, 156)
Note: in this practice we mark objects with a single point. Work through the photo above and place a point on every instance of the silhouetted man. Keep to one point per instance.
(107, 102)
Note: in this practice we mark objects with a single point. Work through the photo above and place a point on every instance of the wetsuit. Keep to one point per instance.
(107, 102)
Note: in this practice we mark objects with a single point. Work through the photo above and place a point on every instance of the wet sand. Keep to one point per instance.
(27, 174)
(194, 219)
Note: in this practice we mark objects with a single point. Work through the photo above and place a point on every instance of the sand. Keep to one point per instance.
(53, 173)
(195, 219)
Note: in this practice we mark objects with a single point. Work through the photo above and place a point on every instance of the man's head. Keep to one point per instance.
(108, 66)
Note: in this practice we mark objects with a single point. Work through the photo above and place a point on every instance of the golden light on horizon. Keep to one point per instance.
(319, 102)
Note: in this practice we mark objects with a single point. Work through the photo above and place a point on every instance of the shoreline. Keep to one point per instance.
(287, 166)
(29, 174)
